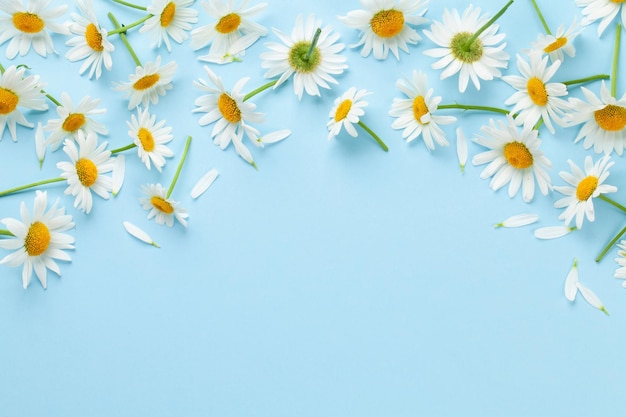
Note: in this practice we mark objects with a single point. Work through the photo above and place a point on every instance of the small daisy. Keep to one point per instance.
(386, 25)
(39, 239)
(74, 119)
(90, 42)
(29, 25)
(415, 113)
(620, 272)
(84, 173)
(233, 23)
(163, 209)
(606, 10)
(347, 110)
(603, 120)
(16, 89)
(171, 19)
(480, 59)
(536, 98)
(514, 158)
(582, 189)
(150, 138)
(292, 57)
(556, 45)
(148, 83)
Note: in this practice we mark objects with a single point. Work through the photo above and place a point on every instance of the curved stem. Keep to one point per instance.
(587, 79)
(5, 233)
(543, 21)
(123, 148)
(618, 36)
(180, 166)
(374, 135)
(491, 21)
(610, 244)
(134, 6)
(260, 89)
(123, 37)
(471, 107)
(124, 28)
(612, 202)
(27, 186)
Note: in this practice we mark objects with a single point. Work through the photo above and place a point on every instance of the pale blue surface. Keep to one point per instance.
(336, 280)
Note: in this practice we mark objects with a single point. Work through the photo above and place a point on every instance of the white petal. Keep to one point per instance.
(461, 148)
(553, 232)
(518, 220)
(139, 234)
(119, 168)
(591, 298)
(204, 183)
(571, 282)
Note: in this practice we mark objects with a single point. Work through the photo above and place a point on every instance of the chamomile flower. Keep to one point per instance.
(459, 52)
(74, 118)
(170, 19)
(84, 173)
(28, 25)
(347, 110)
(18, 90)
(415, 115)
(163, 209)
(536, 99)
(292, 57)
(582, 188)
(603, 10)
(148, 83)
(90, 43)
(620, 272)
(603, 120)
(559, 44)
(513, 157)
(150, 137)
(386, 25)
(39, 239)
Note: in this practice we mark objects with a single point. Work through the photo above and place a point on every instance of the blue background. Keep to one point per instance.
(337, 279)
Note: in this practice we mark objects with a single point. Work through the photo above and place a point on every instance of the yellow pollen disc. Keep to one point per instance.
(611, 117)
(229, 109)
(162, 205)
(586, 188)
(387, 23)
(8, 101)
(73, 122)
(419, 108)
(93, 38)
(37, 239)
(146, 82)
(537, 91)
(228, 23)
(146, 139)
(557, 44)
(87, 172)
(27, 22)
(518, 155)
(342, 110)
(168, 14)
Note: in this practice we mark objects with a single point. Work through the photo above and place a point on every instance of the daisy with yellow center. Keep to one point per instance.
(603, 10)
(148, 83)
(38, 239)
(170, 19)
(513, 158)
(150, 138)
(386, 25)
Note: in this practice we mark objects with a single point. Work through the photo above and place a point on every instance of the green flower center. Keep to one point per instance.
(298, 57)
(465, 51)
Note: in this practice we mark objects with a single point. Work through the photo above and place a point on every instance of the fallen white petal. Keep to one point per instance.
(571, 282)
(518, 220)
(204, 183)
(139, 234)
(591, 298)
(40, 144)
(119, 169)
(553, 232)
(461, 148)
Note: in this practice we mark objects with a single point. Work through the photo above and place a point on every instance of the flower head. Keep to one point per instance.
(150, 138)
(347, 110)
(556, 45)
(170, 19)
(148, 83)
(603, 10)
(163, 209)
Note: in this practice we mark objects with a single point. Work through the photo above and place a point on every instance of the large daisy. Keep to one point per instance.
(170, 19)
(39, 239)
(415, 115)
(386, 25)
(292, 57)
(513, 158)
(347, 110)
(148, 83)
(163, 209)
(582, 188)
(558, 44)
(150, 137)
(482, 58)
(603, 10)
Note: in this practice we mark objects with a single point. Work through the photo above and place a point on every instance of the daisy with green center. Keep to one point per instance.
(513, 158)
(415, 114)
(386, 25)
(603, 10)
(468, 45)
(38, 240)
(150, 138)
(170, 19)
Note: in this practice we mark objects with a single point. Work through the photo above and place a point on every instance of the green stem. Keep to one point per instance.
(180, 166)
(470, 107)
(134, 6)
(5, 233)
(543, 21)
(124, 28)
(610, 244)
(475, 36)
(27, 186)
(587, 79)
(618, 36)
(260, 89)
(316, 38)
(123, 37)
(123, 148)
(612, 202)
(374, 135)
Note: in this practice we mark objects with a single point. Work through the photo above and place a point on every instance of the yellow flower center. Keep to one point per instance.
(162, 205)
(419, 108)
(146, 82)
(93, 38)
(586, 188)
(73, 122)
(557, 44)
(537, 91)
(228, 23)
(229, 109)
(342, 110)
(387, 23)
(167, 15)
(8, 101)
(37, 239)
(146, 139)
(27, 22)
(87, 172)
(611, 117)
(518, 155)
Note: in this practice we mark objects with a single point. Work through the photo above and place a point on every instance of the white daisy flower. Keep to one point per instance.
(148, 83)
(603, 119)
(480, 59)
(233, 24)
(90, 43)
(163, 209)
(18, 90)
(150, 138)
(84, 171)
(620, 272)
(347, 110)
(39, 239)
(514, 158)
(556, 45)
(415, 113)
(603, 10)
(386, 25)
(292, 57)
(583, 187)
(74, 119)
(536, 99)
(28, 25)
(171, 19)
